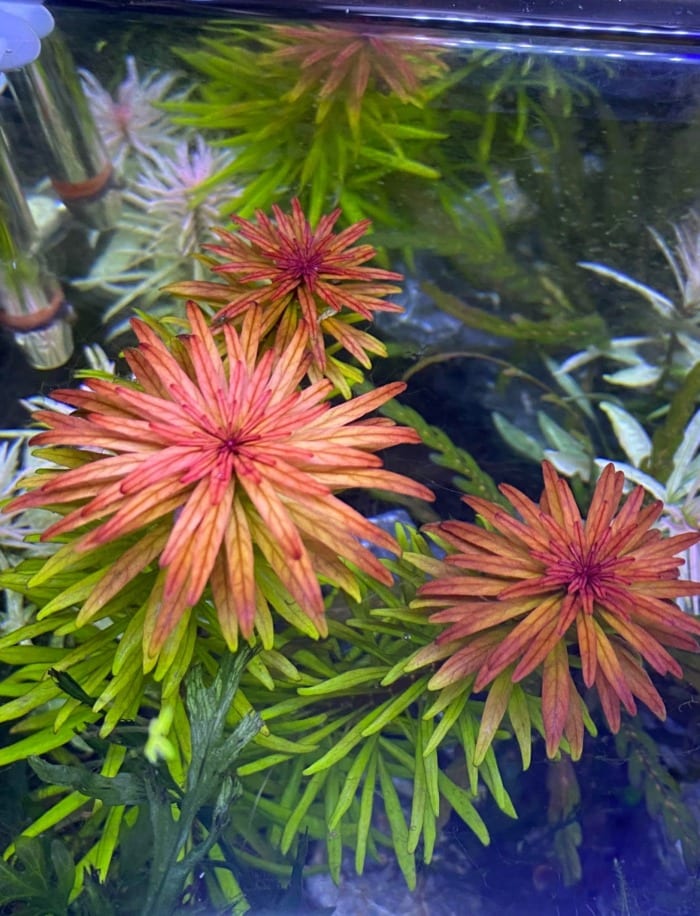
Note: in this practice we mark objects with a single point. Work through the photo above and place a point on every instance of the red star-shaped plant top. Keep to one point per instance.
(286, 266)
(223, 469)
(342, 62)
(534, 593)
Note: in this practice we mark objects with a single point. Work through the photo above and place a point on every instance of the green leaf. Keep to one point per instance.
(396, 706)
(109, 841)
(562, 441)
(492, 777)
(472, 479)
(46, 740)
(492, 716)
(75, 594)
(122, 789)
(352, 781)
(420, 798)
(467, 728)
(397, 823)
(399, 163)
(290, 793)
(209, 779)
(430, 762)
(283, 746)
(549, 333)
(63, 809)
(658, 301)
(63, 868)
(670, 434)
(461, 802)
(520, 720)
(313, 787)
(629, 432)
(41, 883)
(521, 442)
(430, 827)
(31, 655)
(32, 630)
(452, 712)
(334, 838)
(352, 737)
(346, 682)
(364, 820)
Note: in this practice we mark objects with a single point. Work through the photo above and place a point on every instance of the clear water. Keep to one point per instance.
(540, 193)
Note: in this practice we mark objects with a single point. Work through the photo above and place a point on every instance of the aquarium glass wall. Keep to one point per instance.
(349, 459)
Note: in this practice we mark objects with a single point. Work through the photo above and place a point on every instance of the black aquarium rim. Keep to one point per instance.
(678, 19)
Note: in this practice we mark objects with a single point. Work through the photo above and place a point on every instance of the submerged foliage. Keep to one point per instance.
(341, 65)
(519, 596)
(369, 109)
(129, 121)
(220, 464)
(182, 824)
(339, 722)
(678, 325)
(197, 499)
(240, 95)
(298, 273)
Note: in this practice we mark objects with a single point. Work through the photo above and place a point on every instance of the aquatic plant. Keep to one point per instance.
(359, 728)
(129, 122)
(301, 145)
(637, 357)
(13, 529)
(198, 502)
(556, 420)
(17, 526)
(195, 385)
(19, 531)
(175, 826)
(296, 272)
(677, 491)
(684, 261)
(548, 333)
(519, 596)
(216, 461)
(564, 799)
(665, 464)
(663, 796)
(340, 719)
(680, 319)
(181, 833)
(365, 112)
(340, 64)
(164, 220)
(166, 191)
(470, 477)
(100, 677)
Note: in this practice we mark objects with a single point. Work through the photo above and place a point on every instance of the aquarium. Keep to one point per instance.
(350, 458)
